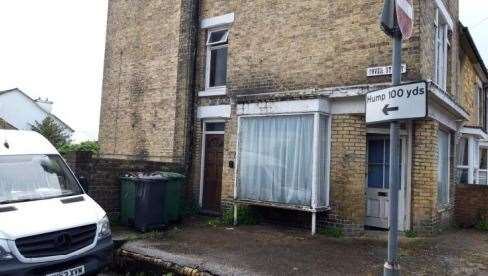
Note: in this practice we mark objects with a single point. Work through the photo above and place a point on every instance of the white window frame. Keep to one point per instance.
(215, 90)
(314, 204)
(441, 25)
(444, 205)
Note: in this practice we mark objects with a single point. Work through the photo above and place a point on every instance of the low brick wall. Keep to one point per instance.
(471, 204)
(103, 176)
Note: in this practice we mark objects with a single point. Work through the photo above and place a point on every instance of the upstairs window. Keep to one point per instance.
(216, 71)
(441, 40)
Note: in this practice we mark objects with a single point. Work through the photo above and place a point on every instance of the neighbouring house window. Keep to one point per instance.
(483, 170)
(462, 161)
(276, 161)
(441, 49)
(216, 71)
(443, 168)
(481, 107)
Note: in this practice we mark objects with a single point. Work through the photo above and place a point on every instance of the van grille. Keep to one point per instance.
(57, 243)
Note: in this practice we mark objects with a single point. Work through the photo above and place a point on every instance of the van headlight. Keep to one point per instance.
(104, 226)
(5, 253)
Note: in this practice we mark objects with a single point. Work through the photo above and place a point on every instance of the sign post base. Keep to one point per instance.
(391, 270)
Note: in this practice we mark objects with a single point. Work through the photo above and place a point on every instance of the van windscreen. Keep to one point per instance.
(35, 177)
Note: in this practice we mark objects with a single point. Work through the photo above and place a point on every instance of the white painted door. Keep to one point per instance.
(377, 181)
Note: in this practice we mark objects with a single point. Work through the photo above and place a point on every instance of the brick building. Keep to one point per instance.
(263, 103)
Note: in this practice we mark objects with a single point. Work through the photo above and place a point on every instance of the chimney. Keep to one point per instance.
(45, 104)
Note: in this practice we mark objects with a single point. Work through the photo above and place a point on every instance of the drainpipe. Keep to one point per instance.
(193, 40)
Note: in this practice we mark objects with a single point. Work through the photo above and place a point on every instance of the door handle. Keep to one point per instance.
(383, 194)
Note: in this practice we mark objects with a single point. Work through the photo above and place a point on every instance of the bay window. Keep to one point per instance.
(443, 144)
(283, 159)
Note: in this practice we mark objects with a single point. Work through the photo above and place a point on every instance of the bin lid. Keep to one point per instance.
(170, 175)
(155, 176)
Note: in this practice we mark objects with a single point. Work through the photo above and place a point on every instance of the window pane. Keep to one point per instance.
(375, 151)
(443, 168)
(375, 176)
(275, 159)
(218, 67)
(217, 37)
(215, 126)
(322, 171)
(483, 156)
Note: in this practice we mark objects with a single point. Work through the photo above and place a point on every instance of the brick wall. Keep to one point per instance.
(5, 125)
(471, 204)
(147, 80)
(103, 176)
(347, 173)
(289, 45)
(469, 88)
(427, 216)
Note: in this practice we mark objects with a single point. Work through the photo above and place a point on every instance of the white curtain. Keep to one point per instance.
(275, 159)
(443, 168)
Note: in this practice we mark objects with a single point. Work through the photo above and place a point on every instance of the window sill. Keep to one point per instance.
(213, 92)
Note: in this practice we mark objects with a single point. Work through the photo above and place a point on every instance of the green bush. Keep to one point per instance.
(411, 234)
(482, 225)
(245, 216)
(333, 232)
(91, 146)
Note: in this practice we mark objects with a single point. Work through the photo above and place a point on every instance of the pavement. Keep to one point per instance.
(272, 250)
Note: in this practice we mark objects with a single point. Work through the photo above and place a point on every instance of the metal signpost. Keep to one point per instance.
(388, 105)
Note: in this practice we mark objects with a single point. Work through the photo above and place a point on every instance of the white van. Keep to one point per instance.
(48, 225)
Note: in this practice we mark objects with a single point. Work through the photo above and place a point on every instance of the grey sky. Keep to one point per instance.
(55, 48)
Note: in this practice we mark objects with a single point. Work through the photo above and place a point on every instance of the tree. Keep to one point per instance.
(57, 134)
(91, 146)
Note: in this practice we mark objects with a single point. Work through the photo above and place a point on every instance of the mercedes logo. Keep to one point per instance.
(63, 241)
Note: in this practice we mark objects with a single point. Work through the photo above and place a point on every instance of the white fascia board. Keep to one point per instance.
(213, 111)
(213, 22)
(439, 114)
(348, 105)
(283, 107)
(475, 132)
(445, 100)
(445, 13)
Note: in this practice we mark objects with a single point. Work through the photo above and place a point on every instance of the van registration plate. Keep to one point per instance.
(79, 270)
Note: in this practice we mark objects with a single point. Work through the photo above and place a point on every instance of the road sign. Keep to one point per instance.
(407, 101)
(404, 14)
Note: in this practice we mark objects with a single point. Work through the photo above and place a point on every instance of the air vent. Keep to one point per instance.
(7, 209)
(72, 200)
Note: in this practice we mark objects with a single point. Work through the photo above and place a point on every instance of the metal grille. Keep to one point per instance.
(57, 243)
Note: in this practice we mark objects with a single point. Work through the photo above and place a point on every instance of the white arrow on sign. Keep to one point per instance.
(407, 101)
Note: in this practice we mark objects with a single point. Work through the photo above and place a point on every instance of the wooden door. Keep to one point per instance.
(212, 178)
(377, 192)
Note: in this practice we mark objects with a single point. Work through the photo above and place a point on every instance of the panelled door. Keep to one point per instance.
(212, 169)
(377, 190)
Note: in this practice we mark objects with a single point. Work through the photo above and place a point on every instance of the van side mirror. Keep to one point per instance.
(83, 182)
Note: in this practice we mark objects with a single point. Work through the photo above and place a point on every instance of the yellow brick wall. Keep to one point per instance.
(469, 92)
(5, 125)
(348, 159)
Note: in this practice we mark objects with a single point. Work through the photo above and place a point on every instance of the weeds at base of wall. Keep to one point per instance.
(482, 225)
(245, 216)
(411, 234)
(332, 232)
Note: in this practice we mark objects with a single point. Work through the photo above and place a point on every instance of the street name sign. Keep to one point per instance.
(383, 70)
(406, 101)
